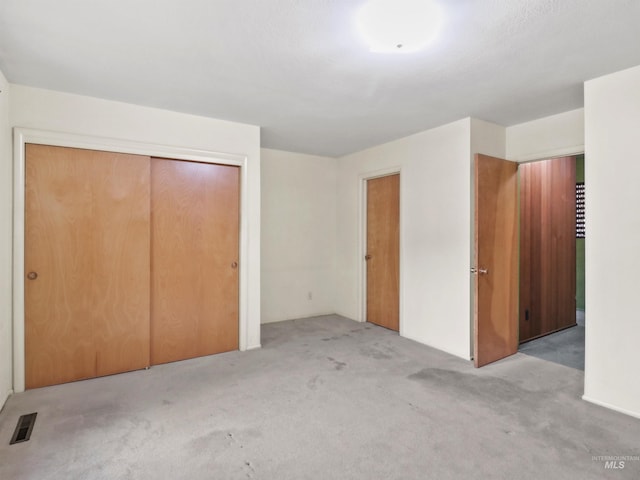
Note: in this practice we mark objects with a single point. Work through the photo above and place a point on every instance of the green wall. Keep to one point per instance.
(580, 244)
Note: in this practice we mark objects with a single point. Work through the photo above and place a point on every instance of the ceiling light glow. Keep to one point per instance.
(399, 26)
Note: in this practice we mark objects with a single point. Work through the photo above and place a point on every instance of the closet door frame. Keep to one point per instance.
(23, 136)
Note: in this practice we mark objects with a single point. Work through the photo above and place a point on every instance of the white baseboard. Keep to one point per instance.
(302, 316)
(611, 407)
(463, 356)
(6, 397)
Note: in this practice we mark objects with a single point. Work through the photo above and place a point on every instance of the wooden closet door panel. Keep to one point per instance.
(195, 235)
(122, 331)
(87, 239)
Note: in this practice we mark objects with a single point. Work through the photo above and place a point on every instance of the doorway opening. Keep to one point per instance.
(552, 300)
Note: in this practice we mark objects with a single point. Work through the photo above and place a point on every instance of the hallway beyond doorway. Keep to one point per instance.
(565, 347)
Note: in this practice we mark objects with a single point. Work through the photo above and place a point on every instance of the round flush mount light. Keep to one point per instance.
(399, 26)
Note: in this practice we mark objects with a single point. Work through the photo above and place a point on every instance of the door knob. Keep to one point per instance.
(234, 265)
(32, 275)
(367, 257)
(481, 271)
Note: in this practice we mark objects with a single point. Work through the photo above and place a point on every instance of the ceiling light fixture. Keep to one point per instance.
(399, 26)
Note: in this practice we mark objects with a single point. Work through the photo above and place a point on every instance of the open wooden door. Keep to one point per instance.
(496, 260)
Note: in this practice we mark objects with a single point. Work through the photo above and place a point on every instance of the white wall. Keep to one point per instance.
(488, 138)
(434, 233)
(6, 212)
(298, 235)
(612, 170)
(553, 136)
(60, 112)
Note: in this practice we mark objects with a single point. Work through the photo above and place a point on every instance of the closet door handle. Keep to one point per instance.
(234, 265)
(32, 275)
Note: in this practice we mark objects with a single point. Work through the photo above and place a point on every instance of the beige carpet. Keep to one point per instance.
(325, 398)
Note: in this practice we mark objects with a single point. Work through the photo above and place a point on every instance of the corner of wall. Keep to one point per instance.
(553, 136)
(4, 398)
(6, 242)
(298, 235)
(612, 122)
(488, 138)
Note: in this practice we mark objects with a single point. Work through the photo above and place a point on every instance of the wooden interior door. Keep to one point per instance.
(383, 251)
(87, 264)
(496, 260)
(547, 247)
(194, 259)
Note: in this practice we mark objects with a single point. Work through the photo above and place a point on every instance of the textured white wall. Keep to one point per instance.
(488, 138)
(612, 170)
(298, 235)
(434, 234)
(60, 112)
(6, 216)
(553, 136)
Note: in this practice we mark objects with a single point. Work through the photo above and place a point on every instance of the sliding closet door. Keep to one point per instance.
(194, 259)
(86, 264)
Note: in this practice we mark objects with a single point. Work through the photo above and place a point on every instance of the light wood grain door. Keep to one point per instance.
(195, 234)
(496, 260)
(547, 246)
(383, 251)
(87, 264)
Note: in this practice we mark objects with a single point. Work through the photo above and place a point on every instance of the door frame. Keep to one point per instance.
(519, 159)
(22, 136)
(362, 242)
(526, 162)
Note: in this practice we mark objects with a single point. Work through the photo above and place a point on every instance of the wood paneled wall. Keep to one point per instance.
(547, 247)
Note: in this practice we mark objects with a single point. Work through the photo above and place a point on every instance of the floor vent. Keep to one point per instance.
(24, 428)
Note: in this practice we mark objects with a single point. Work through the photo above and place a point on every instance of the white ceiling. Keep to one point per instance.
(298, 69)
